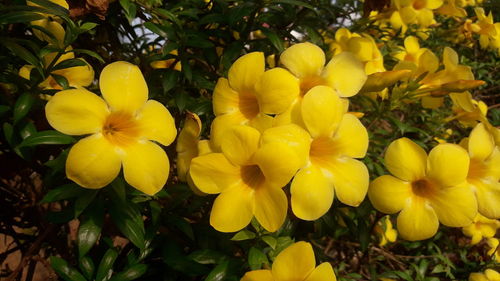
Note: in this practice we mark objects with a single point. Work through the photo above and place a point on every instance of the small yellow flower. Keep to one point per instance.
(481, 227)
(418, 12)
(484, 171)
(494, 250)
(337, 139)
(295, 263)
(77, 76)
(467, 110)
(425, 189)
(159, 64)
(122, 128)
(387, 235)
(453, 8)
(249, 174)
(488, 275)
(50, 23)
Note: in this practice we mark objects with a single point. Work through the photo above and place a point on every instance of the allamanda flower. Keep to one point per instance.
(385, 232)
(249, 174)
(425, 189)
(481, 227)
(487, 275)
(51, 24)
(250, 94)
(494, 249)
(484, 171)
(122, 128)
(337, 139)
(295, 263)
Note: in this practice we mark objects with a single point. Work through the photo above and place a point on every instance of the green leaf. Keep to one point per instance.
(87, 267)
(23, 105)
(90, 228)
(4, 109)
(155, 29)
(19, 16)
(169, 79)
(167, 15)
(295, 3)
(62, 192)
(271, 241)
(274, 39)
(256, 258)
(219, 273)
(128, 219)
(8, 132)
(131, 273)
(206, 256)
(65, 271)
(84, 200)
(105, 269)
(89, 53)
(69, 63)
(87, 26)
(243, 235)
(46, 137)
(20, 51)
(61, 80)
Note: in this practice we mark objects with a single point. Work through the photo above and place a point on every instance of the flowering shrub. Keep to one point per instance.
(250, 140)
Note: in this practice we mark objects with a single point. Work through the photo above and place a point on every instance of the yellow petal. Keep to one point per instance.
(93, 162)
(157, 123)
(389, 194)
(405, 160)
(361, 47)
(408, 15)
(488, 198)
(233, 209)
(346, 74)
(123, 86)
(322, 111)
(432, 102)
(212, 173)
(350, 178)
(417, 221)
(146, 167)
(187, 144)
(278, 163)
(240, 143)
(261, 122)
(276, 91)
(221, 124)
(258, 275)
(291, 115)
(246, 71)
(434, 4)
(450, 58)
(448, 164)
(271, 206)
(492, 275)
(53, 27)
(351, 138)
(324, 272)
(291, 135)
(76, 112)
(25, 71)
(225, 99)
(78, 76)
(411, 45)
(296, 262)
(481, 143)
(425, 17)
(427, 62)
(304, 60)
(476, 276)
(312, 193)
(455, 206)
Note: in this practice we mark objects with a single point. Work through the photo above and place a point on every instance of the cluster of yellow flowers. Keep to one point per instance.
(486, 28)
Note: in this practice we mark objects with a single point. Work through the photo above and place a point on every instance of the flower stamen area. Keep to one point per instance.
(423, 188)
(308, 83)
(249, 105)
(120, 128)
(252, 176)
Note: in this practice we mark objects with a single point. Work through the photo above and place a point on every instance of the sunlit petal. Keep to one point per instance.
(346, 74)
(233, 209)
(157, 123)
(271, 206)
(324, 272)
(212, 173)
(417, 220)
(448, 164)
(405, 159)
(240, 143)
(322, 111)
(246, 71)
(455, 206)
(296, 262)
(389, 194)
(303, 60)
(276, 90)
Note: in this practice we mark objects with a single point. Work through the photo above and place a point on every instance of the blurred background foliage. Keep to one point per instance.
(118, 233)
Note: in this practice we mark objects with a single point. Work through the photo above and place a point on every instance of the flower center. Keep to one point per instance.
(477, 169)
(321, 149)
(423, 188)
(120, 128)
(252, 176)
(249, 106)
(308, 83)
(419, 4)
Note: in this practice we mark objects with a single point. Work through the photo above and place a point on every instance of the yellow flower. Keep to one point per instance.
(122, 128)
(295, 263)
(384, 230)
(488, 275)
(481, 227)
(50, 23)
(337, 139)
(484, 171)
(250, 94)
(159, 64)
(494, 250)
(411, 51)
(487, 28)
(467, 110)
(453, 8)
(417, 12)
(249, 174)
(426, 189)
(77, 76)
(344, 73)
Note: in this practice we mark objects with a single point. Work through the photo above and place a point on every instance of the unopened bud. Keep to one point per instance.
(380, 80)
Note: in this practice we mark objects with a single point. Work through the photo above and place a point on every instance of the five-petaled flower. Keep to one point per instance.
(122, 128)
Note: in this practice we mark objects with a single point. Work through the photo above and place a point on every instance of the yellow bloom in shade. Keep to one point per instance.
(295, 263)
(122, 128)
(425, 189)
(337, 138)
(250, 94)
(168, 63)
(467, 110)
(77, 76)
(484, 171)
(494, 250)
(488, 275)
(481, 227)
(249, 174)
(385, 232)
(50, 23)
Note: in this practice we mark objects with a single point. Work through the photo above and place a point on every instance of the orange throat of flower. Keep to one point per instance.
(424, 188)
(121, 129)
(252, 176)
